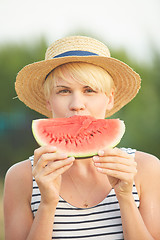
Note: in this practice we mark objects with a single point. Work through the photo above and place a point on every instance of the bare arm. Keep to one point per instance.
(149, 178)
(47, 170)
(18, 217)
(121, 170)
(143, 223)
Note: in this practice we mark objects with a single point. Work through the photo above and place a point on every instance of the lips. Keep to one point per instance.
(77, 114)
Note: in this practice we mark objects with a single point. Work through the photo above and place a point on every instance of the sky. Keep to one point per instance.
(131, 24)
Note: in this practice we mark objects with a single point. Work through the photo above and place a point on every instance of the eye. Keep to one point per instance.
(89, 90)
(63, 91)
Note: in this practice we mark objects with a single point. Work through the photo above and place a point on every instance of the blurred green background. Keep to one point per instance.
(141, 116)
(129, 28)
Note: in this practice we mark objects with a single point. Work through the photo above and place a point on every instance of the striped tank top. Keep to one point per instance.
(102, 221)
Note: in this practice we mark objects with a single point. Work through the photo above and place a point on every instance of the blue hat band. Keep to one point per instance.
(75, 53)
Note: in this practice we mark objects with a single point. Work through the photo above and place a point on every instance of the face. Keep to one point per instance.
(72, 98)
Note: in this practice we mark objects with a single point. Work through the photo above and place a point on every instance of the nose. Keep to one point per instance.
(77, 103)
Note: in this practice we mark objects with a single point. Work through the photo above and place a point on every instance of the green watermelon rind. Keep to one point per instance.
(79, 155)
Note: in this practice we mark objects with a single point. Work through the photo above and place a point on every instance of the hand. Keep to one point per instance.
(120, 168)
(48, 167)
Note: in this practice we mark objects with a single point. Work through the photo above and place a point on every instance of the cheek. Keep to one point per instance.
(58, 108)
(102, 106)
(99, 106)
(105, 104)
(102, 102)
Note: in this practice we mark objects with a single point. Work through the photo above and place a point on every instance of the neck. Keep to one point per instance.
(82, 185)
(83, 167)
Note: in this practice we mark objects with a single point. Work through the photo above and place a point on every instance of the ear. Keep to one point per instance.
(110, 100)
(48, 105)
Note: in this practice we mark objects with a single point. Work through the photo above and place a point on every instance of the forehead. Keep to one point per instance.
(68, 82)
(80, 73)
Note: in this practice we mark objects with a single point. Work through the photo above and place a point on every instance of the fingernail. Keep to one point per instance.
(64, 155)
(97, 164)
(100, 152)
(95, 158)
(71, 158)
(99, 169)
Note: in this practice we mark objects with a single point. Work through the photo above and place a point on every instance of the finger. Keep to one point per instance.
(123, 176)
(42, 179)
(59, 171)
(118, 167)
(113, 159)
(54, 166)
(45, 159)
(114, 152)
(42, 150)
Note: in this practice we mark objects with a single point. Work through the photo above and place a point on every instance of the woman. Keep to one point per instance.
(113, 195)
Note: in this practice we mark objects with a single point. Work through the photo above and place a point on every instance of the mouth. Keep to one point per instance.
(77, 114)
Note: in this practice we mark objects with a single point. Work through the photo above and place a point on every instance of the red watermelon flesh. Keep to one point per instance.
(78, 136)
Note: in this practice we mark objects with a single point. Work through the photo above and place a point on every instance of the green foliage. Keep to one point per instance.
(15, 119)
(12, 58)
(141, 115)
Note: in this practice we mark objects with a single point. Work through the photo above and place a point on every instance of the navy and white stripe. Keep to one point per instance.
(102, 221)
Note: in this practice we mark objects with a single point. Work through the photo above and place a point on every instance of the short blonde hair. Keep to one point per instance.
(84, 73)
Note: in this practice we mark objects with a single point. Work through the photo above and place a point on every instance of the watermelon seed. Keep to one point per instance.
(99, 131)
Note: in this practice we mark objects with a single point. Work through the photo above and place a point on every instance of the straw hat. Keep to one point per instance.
(29, 81)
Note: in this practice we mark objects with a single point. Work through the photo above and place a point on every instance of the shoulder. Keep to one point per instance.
(18, 179)
(148, 173)
(147, 162)
(20, 171)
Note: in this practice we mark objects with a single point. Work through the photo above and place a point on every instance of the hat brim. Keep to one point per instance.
(29, 81)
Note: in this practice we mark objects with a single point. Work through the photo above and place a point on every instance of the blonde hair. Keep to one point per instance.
(83, 73)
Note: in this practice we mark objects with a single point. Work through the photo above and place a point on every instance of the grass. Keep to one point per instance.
(1, 211)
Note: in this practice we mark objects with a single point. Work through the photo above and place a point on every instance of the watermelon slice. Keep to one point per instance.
(78, 136)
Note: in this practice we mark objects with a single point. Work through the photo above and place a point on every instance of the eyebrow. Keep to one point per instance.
(62, 86)
(69, 87)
